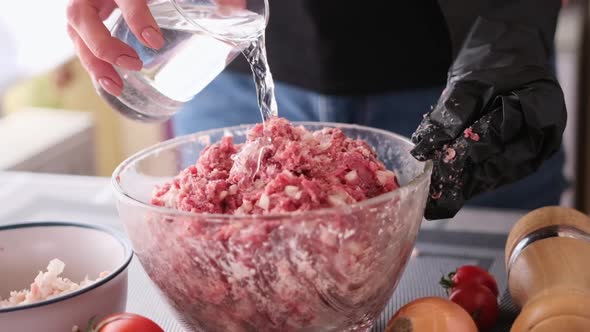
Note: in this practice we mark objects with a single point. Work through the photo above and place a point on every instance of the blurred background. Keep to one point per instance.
(52, 121)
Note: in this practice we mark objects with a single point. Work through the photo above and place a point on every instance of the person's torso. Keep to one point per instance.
(354, 47)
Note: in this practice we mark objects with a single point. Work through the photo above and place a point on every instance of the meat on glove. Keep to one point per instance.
(500, 117)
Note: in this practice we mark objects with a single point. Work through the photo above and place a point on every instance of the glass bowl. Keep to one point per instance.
(325, 270)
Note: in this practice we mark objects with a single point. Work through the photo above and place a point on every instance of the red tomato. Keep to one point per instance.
(479, 302)
(468, 274)
(126, 322)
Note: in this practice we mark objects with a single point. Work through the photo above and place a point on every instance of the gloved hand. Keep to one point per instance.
(500, 117)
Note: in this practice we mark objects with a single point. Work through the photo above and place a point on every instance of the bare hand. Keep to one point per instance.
(231, 3)
(98, 50)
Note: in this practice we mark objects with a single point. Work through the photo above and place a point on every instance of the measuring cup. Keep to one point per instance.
(201, 38)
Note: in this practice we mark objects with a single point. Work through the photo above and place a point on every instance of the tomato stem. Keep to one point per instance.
(475, 314)
(91, 325)
(447, 282)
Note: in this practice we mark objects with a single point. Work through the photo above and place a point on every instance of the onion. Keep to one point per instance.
(430, 314)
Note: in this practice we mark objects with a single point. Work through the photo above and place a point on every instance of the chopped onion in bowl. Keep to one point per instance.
(47, 285)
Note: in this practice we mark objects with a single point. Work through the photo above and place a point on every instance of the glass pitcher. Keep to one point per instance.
(201, 38)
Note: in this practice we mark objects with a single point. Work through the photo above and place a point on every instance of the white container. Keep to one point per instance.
(86, 250)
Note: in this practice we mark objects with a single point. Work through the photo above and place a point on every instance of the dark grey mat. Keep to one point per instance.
(441, 252)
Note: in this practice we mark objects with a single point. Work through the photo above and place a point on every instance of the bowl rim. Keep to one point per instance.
(115, 234)
(220, 218)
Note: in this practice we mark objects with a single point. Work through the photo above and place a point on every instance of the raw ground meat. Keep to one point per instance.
(331, 272)
(468, 133)
(280, 168)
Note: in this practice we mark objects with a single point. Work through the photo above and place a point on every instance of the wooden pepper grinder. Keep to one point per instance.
(548, 264)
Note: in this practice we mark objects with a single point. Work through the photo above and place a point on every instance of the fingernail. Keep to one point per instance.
(110, 85)
(153, 37)
(129, 62)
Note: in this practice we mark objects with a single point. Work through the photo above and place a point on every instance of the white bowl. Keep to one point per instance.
(86, 250)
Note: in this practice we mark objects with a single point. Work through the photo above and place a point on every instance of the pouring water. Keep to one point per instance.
(201, 40)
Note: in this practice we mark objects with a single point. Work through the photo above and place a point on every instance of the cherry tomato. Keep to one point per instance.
(468, 274)
(479, 302)
(430, 314)
(126, 322)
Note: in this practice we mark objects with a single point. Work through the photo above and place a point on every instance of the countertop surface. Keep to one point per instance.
(473, 237)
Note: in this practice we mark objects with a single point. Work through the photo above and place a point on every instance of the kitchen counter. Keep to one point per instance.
(474, 236)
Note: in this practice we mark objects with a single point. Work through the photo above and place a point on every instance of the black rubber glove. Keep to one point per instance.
(500, 117)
